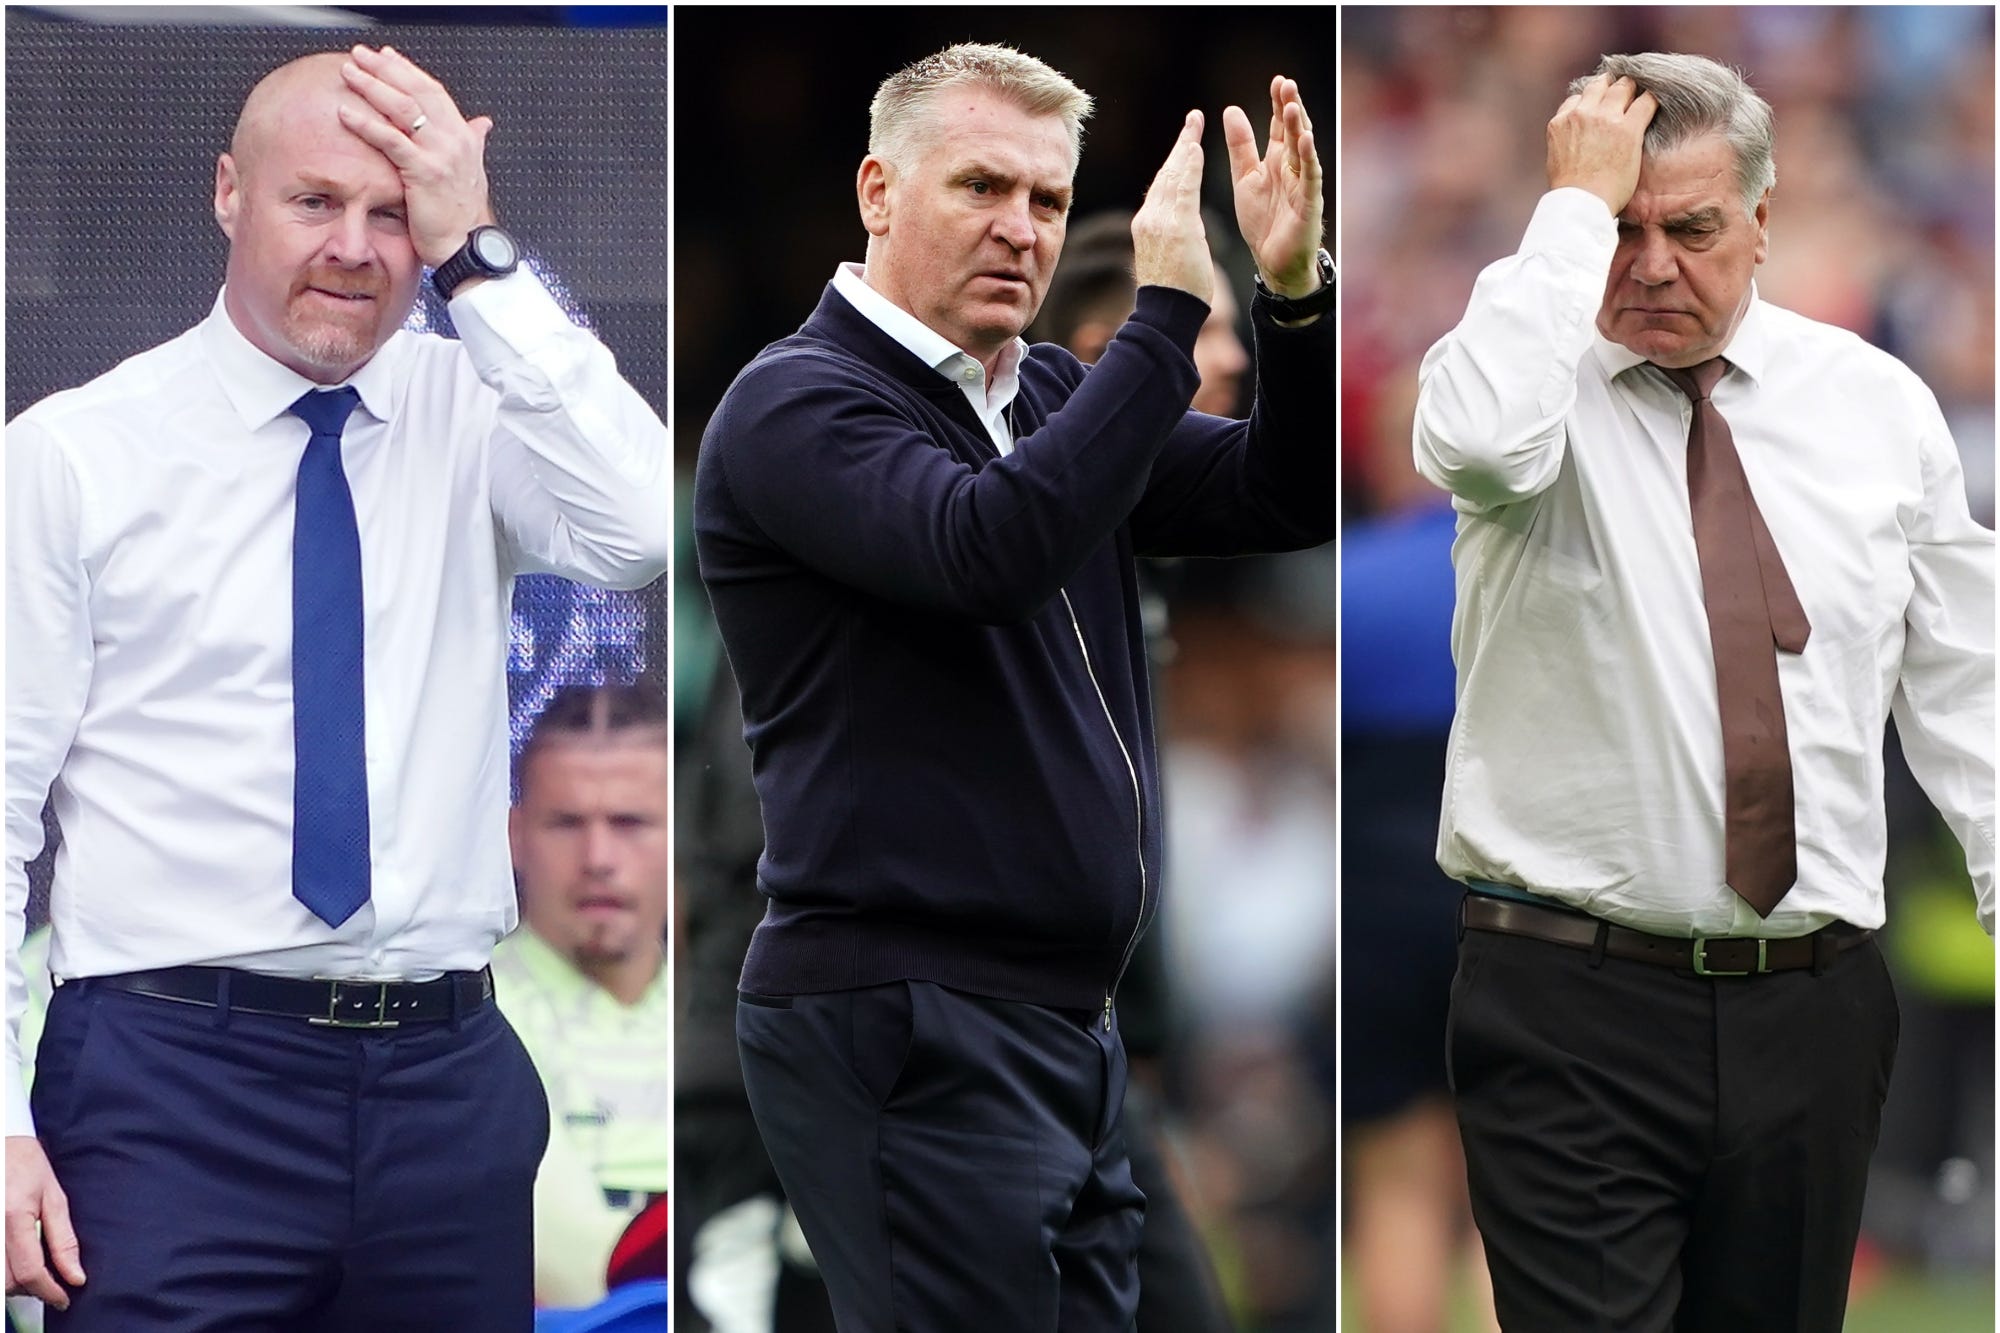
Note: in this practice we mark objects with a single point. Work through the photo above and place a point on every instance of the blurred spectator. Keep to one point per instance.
(1091, 294)
(742, 1261)
(1248, 767)
(584, 981)
(1408, 1218)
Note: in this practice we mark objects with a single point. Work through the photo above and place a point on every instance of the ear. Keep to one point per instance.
(228, 195)
(871, 189)
(1763, 220)
(516, 832)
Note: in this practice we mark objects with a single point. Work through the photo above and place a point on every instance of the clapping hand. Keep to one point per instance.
(1279, 204)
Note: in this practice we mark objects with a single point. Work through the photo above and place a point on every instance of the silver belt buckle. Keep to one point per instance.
(1702, 968)
(337, 992)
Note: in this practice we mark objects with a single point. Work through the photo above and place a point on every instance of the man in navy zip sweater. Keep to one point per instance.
(917, 535)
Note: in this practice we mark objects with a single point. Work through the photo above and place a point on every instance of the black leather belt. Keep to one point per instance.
(325, 1001)
(1720, 956)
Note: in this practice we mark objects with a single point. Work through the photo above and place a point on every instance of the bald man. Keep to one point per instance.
(258, 582)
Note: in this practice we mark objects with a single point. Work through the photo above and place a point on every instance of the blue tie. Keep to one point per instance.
(330, 788)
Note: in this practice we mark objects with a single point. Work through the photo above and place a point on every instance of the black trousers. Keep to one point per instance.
(1649, 1149)
(955, 1162)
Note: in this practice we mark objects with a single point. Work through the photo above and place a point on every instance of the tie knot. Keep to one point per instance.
(1698, 381)
(325, 411)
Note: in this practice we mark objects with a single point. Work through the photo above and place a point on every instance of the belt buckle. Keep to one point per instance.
(1702, 968)
(335, 992)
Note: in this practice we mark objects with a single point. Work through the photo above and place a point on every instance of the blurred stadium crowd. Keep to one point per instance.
(1882, 222)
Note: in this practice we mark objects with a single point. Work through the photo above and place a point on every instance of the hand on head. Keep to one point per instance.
(410, 118)
(1596, 138)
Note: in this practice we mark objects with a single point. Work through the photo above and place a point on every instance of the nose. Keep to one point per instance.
(1013, 225)
(349, 242)
(1653, 263)
(599, 847)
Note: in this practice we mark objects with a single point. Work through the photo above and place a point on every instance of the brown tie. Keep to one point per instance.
(1752, 612)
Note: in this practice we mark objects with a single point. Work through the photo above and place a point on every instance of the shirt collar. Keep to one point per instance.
(261, 390)
(1748, 349)
(918, 338)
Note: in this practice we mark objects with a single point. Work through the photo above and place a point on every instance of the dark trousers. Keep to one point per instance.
(955, 1162)
(1649, 1149)
(249, 1174)
(719, 1160)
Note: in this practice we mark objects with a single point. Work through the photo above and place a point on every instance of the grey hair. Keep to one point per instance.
(1697, 96)
(898, 117)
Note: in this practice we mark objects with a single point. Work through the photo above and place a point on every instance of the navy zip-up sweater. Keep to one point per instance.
(939, 649)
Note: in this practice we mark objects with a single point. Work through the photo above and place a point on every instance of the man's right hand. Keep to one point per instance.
(1169, 243)
(1596, 137)
(38, 1216)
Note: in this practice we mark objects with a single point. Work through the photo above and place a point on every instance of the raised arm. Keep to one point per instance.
(816, 455)
(581, 469)
(1492, 394)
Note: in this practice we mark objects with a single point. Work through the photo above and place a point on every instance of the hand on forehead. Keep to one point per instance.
(295, 107)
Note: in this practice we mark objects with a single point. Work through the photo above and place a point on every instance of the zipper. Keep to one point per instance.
(1138, 805)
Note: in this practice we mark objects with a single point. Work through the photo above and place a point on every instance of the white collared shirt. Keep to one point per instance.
(149, 637)
(989, 401)
(1586, 754)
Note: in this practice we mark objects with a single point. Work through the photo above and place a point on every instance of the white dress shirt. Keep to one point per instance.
(149, 634)
(989, 401)
(1586, 754)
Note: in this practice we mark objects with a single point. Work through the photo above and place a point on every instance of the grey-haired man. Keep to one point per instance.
(1706, 547)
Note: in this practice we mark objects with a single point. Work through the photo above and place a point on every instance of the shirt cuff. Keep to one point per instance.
(507, 319)
(1575, 224)
(19, 1119)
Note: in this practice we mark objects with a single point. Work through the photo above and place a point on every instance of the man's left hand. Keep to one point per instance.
(410, 119)
(1278, 196)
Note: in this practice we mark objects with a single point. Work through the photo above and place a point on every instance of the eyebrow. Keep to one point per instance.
(314, 184)
(1709, 216)
(1006, 180)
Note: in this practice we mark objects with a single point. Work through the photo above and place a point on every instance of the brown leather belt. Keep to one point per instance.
(1723, 956)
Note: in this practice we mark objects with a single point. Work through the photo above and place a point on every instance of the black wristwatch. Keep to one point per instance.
(1286, 308)
(488, 252)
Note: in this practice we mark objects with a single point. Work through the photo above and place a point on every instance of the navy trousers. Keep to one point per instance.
(955, 1162)
(231, 1172)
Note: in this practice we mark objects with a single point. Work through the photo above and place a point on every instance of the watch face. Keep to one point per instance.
(493, 248)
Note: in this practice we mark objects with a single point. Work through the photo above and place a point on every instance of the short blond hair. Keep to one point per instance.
(898, 117)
